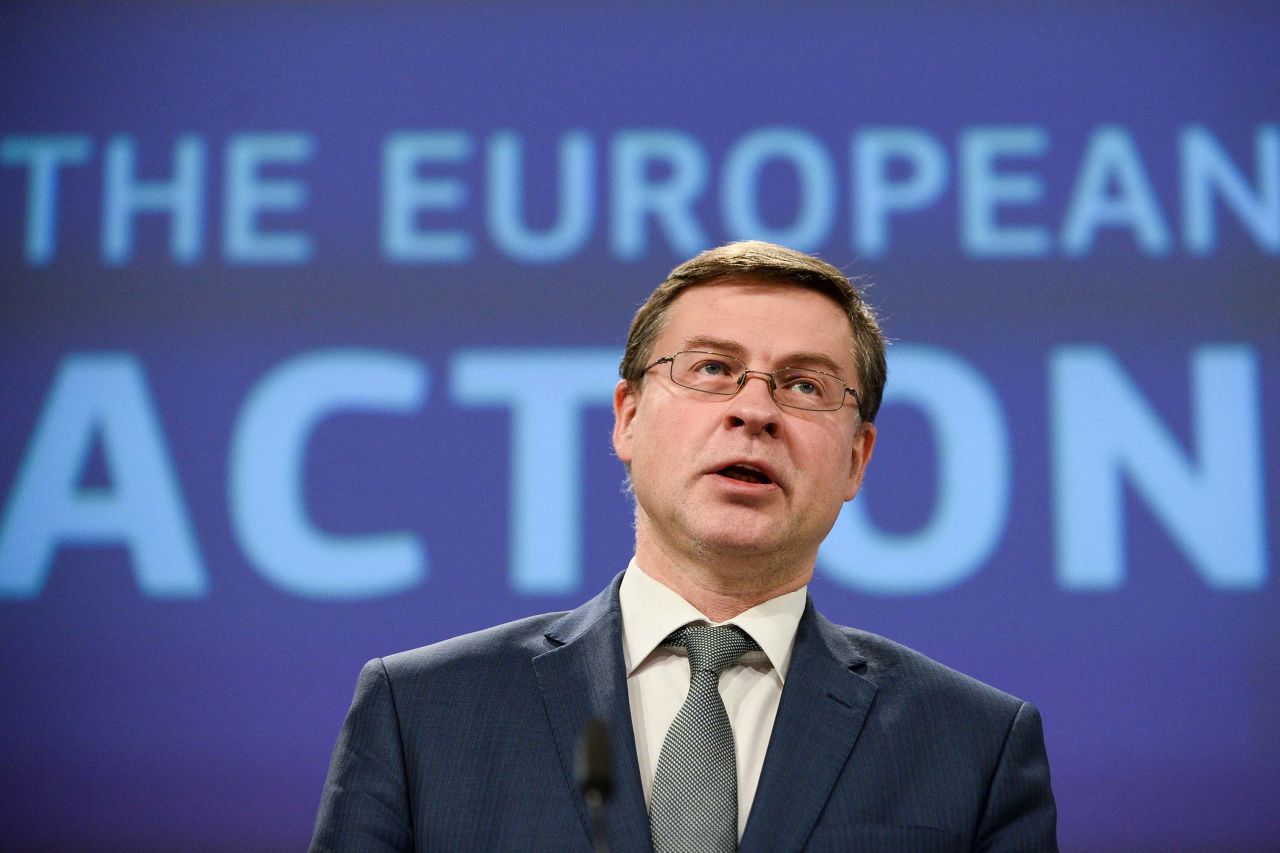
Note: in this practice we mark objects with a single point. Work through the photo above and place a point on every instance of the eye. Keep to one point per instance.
(802, 383)
(711, 367)
(805, 387)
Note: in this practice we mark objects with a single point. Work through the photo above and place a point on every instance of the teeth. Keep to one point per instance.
(746, 475)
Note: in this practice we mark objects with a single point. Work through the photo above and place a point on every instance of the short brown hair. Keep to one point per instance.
(758, 261)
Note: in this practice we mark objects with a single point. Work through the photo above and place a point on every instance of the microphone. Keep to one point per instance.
(594, 772)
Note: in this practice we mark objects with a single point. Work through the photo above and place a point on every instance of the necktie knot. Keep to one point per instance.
(712, 649)
(694, 802)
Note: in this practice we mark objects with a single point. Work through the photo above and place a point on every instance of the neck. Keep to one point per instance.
(719, 586)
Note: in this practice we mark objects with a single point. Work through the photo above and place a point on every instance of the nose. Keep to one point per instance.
(753, 407)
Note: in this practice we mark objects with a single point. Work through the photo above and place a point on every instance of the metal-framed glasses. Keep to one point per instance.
(724, 375)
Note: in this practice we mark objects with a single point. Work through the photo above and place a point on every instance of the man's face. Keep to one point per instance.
(687, 450)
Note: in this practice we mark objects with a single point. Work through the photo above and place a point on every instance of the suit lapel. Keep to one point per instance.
(583, 677)
(824, 705)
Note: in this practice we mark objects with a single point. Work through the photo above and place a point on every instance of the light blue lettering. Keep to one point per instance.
(546, 391)
(1105, 434)
(248, 194)
(405, 194)
(1111, 157)
(983, 189)
(124, 196)
(268, 454)
(43, 156)
(1207, 172)
(972, 506)
(635, 198)
(876, 195)
(506, 194)
(740, 188)
(103, 396)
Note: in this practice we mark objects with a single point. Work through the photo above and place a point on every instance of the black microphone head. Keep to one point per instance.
(595, 759)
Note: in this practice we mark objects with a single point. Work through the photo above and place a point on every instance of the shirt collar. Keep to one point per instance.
(651, 611)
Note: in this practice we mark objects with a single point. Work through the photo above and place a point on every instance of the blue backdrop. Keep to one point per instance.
(311, 316)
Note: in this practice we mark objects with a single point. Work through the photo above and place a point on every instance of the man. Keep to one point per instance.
(750, 383)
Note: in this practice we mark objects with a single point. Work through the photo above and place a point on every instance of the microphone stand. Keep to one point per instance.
(595, 777)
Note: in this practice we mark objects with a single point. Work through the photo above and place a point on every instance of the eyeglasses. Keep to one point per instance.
(724, 375)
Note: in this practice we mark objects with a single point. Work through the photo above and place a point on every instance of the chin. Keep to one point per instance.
(739, 540)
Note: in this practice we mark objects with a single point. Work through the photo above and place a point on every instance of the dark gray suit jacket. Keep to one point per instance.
(469, 745)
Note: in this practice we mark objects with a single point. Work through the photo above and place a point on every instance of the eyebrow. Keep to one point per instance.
(800, 358)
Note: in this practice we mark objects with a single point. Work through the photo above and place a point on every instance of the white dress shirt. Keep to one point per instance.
(658, 677)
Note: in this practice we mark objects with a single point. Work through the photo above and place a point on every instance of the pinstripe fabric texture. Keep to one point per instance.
(469, 744)
(694, 805)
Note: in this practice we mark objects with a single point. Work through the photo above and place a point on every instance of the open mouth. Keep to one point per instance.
(744, 474)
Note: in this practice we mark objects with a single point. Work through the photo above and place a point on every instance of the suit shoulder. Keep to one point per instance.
(478, 651)
(900, 669)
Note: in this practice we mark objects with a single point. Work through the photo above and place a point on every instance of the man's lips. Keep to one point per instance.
(747, 471)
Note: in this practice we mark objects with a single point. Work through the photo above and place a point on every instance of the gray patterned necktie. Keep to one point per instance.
(694, 803)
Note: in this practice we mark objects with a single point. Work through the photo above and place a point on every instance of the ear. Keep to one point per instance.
(863, 443)
(624, 413)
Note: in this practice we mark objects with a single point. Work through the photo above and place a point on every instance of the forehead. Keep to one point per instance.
(766, 320)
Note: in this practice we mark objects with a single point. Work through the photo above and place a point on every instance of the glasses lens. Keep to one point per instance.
(707, 371)
(715, 373)
(803, 389)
